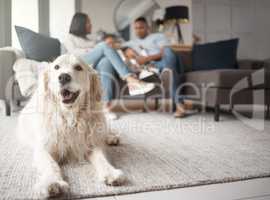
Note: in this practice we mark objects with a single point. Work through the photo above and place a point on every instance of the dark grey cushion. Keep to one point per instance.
(36, 46)
(216, 55)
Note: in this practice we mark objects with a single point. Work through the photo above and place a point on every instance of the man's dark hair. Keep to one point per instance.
(141, 19)
(78, 25)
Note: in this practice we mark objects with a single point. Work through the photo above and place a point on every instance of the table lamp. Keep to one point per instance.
(177, 15)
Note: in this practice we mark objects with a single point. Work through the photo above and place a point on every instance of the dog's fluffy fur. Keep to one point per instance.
(59, 131)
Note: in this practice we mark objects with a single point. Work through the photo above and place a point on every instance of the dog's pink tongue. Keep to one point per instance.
(66, 94)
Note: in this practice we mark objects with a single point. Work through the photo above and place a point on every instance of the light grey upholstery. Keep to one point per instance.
(6, 62)
(9, 89)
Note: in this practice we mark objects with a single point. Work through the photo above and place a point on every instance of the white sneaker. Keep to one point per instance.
(110, 115)
(140, 88)
(145, 73)
(154, 70)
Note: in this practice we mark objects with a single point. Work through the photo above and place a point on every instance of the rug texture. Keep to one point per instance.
(157, 152)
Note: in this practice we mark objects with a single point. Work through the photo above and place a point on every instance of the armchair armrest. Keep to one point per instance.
(7, 60)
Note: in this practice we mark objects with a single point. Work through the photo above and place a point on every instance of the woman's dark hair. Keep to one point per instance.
(109, 35)
(78, 25)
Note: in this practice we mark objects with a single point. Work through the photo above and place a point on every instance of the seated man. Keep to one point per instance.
(151, 48)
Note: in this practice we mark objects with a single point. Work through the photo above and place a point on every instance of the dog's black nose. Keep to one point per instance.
(64, 78)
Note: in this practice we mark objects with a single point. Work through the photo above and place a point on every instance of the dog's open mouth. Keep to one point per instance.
(68, 96)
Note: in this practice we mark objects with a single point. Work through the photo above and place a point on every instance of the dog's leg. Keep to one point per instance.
(105, 171)
(51, 182)
(112, 139)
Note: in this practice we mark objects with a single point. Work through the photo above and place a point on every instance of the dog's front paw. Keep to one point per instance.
(115, 178)
(53, 189)
(112, 140)
(58, 188)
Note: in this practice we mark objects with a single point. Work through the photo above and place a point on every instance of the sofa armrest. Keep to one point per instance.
(267, 64)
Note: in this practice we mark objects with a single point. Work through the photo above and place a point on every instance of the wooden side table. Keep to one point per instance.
(181, 48)
(185, 53)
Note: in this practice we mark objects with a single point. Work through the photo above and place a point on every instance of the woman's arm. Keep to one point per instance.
(78, 46)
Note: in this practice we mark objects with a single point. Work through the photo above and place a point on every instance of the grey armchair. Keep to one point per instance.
(9, 90)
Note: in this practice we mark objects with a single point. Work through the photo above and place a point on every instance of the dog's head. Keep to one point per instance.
(69, 78)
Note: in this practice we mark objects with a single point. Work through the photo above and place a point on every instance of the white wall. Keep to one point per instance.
(247, 19)
(186, 29)
(24, 13)
(61, 13)
(101, 13)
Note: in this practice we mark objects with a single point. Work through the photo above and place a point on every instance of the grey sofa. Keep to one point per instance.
(10, 92)
(244, 85)
(217, 94)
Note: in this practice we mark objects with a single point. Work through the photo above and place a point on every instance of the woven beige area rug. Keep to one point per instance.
(157, 152)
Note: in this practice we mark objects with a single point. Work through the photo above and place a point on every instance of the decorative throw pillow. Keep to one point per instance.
(217, 55)
(36, 46)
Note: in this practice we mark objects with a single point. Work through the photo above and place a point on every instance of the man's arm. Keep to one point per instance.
(160, 41)
(146, 59)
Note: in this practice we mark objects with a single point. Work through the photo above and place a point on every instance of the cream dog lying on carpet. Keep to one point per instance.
(64, 122)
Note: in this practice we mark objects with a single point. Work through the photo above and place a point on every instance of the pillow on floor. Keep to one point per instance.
(36, 46)
(217, 55)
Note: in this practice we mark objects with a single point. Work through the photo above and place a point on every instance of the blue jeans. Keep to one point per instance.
(108, 78)
(169, 60)
(107, 62)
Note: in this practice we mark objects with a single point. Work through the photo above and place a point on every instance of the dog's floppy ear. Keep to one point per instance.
(95, 86)
(43, 80)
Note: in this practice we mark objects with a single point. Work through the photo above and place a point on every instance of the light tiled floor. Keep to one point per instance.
(256, 189)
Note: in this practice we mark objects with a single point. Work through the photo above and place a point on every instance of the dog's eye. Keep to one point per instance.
(56, 67)
(78, 68)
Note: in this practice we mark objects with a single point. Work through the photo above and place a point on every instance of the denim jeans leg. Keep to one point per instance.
(103, 50)
(169, 60)
(107, 77)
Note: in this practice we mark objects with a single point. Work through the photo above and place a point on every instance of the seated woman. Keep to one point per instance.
(103, 58)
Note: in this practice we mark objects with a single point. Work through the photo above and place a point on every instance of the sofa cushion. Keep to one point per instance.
(251, 64)
(36, 46)
(217, 55)
(225, 78)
